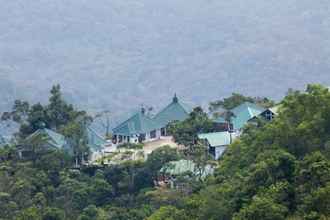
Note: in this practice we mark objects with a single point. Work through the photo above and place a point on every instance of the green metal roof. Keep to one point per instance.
(244, 112)
(137, 124)
(216, 138)
(52, 138)
(140, 123)
(95, 141)
(180, 167)
(173, 112)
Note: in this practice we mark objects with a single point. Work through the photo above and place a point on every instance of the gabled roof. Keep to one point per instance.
(173, 112)
(244, 112)
(275, 109)
(139, 123)
(95, 141)
(52, 138)
(217, 138)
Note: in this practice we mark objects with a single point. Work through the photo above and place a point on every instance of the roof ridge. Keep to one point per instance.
(97, 134)
(118, 126)
(169, 105)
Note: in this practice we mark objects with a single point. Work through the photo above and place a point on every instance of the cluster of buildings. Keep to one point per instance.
(240, 116)
(146, 129)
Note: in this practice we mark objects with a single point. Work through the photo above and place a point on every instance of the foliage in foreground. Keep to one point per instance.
(276, 171)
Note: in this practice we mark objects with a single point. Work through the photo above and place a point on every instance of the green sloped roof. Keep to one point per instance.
(137, 124)
(173, 112)
(275, 109)
(95, 141)
(216, 138)
(244, 112)
(180, 167)
(52, 138)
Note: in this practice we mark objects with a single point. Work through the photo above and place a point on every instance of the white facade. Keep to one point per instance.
(134, 139)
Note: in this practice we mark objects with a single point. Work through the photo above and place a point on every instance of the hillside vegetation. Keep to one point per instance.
(278, 170)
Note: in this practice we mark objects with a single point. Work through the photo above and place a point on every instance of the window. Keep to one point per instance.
(114, 139)
(269, 115)
(142, 137)
(153, 134)
(163, 131)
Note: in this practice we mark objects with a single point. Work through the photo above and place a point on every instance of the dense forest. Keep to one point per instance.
(274, 171)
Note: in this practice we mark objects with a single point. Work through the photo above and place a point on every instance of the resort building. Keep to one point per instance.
(241, 115)
(217, 142)
(141, 128)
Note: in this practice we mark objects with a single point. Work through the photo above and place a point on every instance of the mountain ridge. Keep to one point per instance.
(118, 55)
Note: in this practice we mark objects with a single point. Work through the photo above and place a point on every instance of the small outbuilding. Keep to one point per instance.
(217, 142)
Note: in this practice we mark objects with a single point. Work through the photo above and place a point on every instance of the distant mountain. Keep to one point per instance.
(119, 54)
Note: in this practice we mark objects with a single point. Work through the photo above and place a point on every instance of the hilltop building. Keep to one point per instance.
(141, 128)
(170, 173)
(217, 142)
(47, 139)
(241, 115)
(43, 139)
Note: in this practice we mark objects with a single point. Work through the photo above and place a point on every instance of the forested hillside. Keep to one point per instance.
(116, 54)
(274, 171)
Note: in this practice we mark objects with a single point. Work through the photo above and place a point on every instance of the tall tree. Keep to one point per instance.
(59, 112)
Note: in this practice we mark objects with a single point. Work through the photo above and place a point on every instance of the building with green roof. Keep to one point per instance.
(48, 139)
(242, 114)
(270, 113)
(170, 172)
(217, 142)
(173, 112)
(142, 128)
(136, 129)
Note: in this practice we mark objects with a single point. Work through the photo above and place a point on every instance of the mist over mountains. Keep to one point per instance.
(119, 54)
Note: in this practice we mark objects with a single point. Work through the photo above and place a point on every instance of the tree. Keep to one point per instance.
(19, 112)
(53, 214)
(186, 132)
(104, 119)
(158, 158)
(58, 111)
(262, 208)
(76, 132)
(169, 213)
